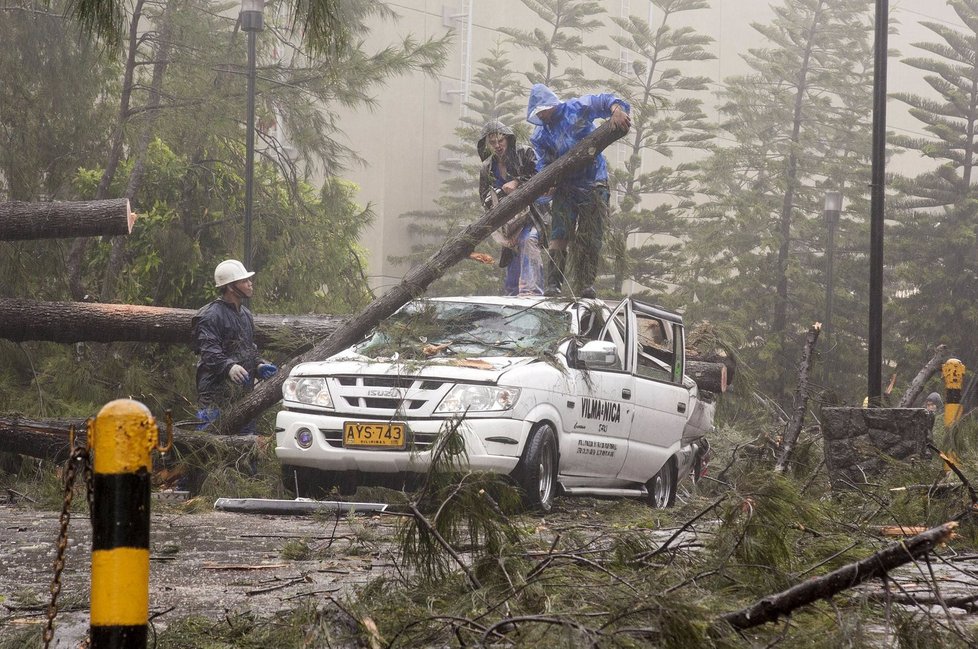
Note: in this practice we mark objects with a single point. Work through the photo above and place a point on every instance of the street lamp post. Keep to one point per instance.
(252, 22)
(833, 207)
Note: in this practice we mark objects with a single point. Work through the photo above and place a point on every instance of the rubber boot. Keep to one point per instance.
(556, 261)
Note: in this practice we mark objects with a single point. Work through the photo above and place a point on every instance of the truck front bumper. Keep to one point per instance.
(491, 444)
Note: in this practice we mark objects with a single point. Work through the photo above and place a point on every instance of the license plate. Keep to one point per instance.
(362, 433)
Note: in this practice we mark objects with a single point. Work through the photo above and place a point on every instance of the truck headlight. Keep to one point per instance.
(307, 390)
(477, 398)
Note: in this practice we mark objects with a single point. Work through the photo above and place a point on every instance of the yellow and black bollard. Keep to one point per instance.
(953, 371)
(122, 437)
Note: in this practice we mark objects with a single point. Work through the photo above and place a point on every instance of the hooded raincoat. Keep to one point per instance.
(520, 161)
(571, 123)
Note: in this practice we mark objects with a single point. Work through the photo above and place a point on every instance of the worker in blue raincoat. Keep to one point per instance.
(581, 199)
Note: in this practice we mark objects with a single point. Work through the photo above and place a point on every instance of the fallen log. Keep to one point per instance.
(941, 354)
(19, 221)
(708, 376)
(72, 322)
(417, 279)
(793, 430)
(49, 439)
(781, 604)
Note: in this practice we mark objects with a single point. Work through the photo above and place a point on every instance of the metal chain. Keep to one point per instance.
(78, 454)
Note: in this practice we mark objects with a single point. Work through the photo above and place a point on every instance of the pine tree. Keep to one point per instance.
(568, 22)
(496, 94)
(666, 117)
(934, 241)
(793, 132)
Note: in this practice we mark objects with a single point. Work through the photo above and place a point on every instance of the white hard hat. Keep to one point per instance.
(230, 271)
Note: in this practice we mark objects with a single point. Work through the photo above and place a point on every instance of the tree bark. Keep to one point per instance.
(20, 221)
(49, 439)
(708, 376)
(72, 322)
(772, 607)
(417, 279)
(801, 399)
(927, 371)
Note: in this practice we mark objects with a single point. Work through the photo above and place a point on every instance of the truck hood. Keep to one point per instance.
(475, 370)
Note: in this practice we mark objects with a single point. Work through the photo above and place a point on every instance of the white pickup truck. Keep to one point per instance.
(584, 397)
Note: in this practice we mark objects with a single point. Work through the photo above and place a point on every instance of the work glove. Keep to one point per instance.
(206, 416)
(238, 374)
(265, 370)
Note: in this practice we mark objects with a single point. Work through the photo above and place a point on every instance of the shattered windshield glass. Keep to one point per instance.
(430, 328)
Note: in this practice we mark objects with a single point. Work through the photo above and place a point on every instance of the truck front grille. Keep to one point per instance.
(386, 396)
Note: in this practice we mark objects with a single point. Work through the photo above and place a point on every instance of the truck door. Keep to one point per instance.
(660, 399)
(596, 443)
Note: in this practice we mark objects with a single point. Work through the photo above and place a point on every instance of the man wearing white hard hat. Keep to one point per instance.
(224, 339)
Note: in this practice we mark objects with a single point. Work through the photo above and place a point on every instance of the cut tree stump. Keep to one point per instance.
(19, 221)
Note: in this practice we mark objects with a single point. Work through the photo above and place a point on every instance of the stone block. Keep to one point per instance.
(856, 439)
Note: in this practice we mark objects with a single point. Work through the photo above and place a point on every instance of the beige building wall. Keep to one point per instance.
(402, 139)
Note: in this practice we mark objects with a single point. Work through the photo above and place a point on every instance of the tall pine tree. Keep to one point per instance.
(667, 117)
(758, 244)
(934, 241)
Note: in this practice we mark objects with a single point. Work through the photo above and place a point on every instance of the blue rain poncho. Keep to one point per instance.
(573, 121)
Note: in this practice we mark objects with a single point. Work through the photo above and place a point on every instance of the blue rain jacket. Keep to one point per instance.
(573, 121)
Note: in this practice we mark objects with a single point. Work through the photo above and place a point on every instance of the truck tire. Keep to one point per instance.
(312, 483)
(538, 476)
(662, 486)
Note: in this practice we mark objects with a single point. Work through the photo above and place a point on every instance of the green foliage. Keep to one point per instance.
(567, 24)
(667, 120)
(56, 104)
(468, 507)
(307, 624)
(495, 94)
(934, 238)
(760, 233)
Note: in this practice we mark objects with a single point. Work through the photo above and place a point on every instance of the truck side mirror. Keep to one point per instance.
(599, 353)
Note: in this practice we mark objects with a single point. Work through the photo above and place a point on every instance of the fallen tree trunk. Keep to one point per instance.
(793, 429)
(917, 385)
(417, 280)
(49, 439)
(20, 220)
(72, 322)
(708, 376)
(772, 607)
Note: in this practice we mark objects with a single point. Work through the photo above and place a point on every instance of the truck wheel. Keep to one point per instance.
(312, 483)
(662, 486)
(538, 477)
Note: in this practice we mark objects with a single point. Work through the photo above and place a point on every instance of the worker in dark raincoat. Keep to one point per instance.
(224, 338)
(505, 167)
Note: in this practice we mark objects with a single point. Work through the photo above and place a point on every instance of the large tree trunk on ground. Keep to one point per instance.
(71, 322)
(49, 439)
(801, 399)
(772, 607)
(20, 221)
(418, 279)
(917, 385)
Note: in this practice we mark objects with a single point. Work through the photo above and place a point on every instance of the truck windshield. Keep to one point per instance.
(428, 328)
